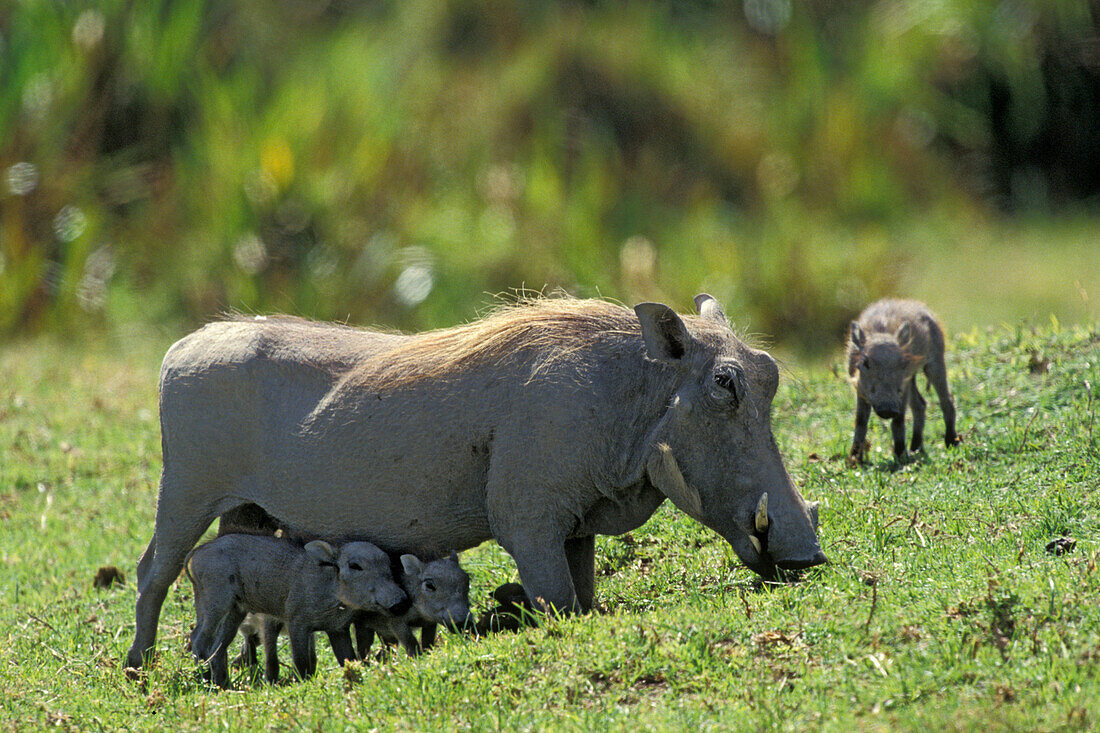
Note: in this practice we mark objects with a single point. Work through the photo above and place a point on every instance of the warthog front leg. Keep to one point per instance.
(271, 626)
(897, 427)
(859, 438)
(219, 660)
(302, 651)
(364, 638)
(342, 648)
(580, 552)
(917, 405)
(427, 636)
(545, 573)
(407, 638)
(897, 432)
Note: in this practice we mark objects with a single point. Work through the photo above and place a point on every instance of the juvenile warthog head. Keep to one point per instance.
(364, 579)
(713, 453)
(440, 590)
(880, 365)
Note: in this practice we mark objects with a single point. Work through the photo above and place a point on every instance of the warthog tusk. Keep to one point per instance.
(756, 543)
(762, 513)
(665, 474)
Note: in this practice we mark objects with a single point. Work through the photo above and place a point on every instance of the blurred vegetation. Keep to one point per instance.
(394, 162)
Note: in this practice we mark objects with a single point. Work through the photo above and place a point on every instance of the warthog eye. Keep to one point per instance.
(355, 566)
(731, 380)
(429, 585)
(865, 363)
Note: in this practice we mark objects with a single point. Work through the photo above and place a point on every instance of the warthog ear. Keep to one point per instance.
(709, 308)
(412, 564)
(904, 334)
(857, 335)
(665, 474)
(453, 557)
(322, 552)
(666, 337)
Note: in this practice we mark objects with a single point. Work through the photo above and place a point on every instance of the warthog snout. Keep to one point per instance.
(818, 558)
(760, 526)
(401, 607)
(888, 412)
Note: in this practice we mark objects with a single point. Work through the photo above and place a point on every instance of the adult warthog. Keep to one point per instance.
(538, 426)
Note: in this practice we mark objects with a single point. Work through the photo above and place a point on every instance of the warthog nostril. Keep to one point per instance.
(818, 558)
(400, 608)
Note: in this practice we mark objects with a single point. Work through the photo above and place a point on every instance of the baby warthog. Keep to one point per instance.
(890, 342)
(315, 588)
(439, 593)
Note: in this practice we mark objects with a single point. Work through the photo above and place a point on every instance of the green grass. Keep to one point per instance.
(940, 610)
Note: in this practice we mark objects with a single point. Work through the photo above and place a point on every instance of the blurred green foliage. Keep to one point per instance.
(394, 162)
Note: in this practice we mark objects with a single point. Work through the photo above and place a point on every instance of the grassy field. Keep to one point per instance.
(941, 608)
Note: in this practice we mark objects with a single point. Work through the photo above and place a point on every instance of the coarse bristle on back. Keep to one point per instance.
(541, 331)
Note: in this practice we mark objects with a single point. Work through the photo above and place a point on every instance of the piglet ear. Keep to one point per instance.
(454, 557)
(904, 334)
(411, 564)
(857, 335)
(322, 552)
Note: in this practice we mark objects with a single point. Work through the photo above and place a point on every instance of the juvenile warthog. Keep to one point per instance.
(890, 342)
(539, 426)
(439, 593)
(311, 589)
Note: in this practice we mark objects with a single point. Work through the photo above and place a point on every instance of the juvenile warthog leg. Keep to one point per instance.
(270, 637)
(427, 636)
(897, 428)
(917, 404)
(364, 638)
(342, 648)
(219, 660)
(302, 652)
(859, 438)
(936, 371)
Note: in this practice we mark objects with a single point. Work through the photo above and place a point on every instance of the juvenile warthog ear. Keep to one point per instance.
(412, 564)
(856, 334)
(665, 474)
(453, 557)
(666, 337)
(903, 335)
(709, 308)
(322, 552)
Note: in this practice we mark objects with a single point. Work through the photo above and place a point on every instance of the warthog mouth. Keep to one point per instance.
(783, 571)
(749, 540)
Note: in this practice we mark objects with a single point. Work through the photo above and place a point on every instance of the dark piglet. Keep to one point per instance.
(890, 342)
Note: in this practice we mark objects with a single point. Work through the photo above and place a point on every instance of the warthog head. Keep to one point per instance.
(713, 453)
(364, 579)
(880, 365)
(440, 590)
